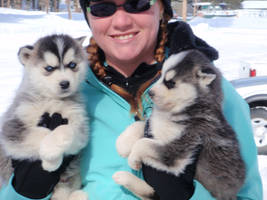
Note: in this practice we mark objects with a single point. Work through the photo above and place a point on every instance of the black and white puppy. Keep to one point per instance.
(54, 68)
(187, 115)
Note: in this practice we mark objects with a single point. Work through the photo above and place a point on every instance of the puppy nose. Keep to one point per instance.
(64, 84)
(151, 93)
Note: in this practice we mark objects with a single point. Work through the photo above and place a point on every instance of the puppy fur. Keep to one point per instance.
(54, 67)
(187, 115)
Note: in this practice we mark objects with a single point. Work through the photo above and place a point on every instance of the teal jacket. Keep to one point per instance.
(110, 115)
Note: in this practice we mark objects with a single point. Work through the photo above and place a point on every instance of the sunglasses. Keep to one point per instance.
(106, 9)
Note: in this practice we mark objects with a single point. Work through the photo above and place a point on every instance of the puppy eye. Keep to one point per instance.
(72, 65)
(169, 84)
(50, 68)
(207, 71)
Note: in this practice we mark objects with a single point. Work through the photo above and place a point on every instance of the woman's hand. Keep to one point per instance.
(30, 179)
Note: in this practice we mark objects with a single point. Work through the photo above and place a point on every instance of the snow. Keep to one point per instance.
(240, 41)
(254, 4)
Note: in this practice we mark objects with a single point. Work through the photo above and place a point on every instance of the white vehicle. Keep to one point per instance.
(254, 90)
(209, 10)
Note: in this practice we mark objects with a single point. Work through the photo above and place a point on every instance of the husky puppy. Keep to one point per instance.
(187, 118)
(54, 67)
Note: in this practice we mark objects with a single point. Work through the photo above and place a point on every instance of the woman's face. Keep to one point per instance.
(127, 37)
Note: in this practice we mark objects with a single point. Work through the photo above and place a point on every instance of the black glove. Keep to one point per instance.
(30, 179)
(168, 186)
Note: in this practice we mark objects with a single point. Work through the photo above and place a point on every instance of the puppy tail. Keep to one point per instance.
(5, 168)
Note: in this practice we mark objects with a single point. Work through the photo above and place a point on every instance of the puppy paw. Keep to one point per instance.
(64, 135)
(123, 147)
(49, 149)
(134, 163)
(60, 193)
(52, 165)
(129, 137)
(121, 178)
(78, 195)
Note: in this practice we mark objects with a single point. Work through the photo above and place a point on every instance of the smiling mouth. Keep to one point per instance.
(124, 37)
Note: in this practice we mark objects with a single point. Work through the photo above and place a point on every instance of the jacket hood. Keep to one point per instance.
(181, 38)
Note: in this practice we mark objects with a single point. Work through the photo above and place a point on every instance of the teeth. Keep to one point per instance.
(124, 37)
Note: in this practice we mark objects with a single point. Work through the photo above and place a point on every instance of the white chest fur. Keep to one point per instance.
(163, 128)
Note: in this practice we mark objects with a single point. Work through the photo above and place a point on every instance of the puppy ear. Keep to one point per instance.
(80, 40)
(25, 54)
(206, 76)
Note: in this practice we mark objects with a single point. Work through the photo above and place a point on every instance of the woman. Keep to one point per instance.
(130, 41)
